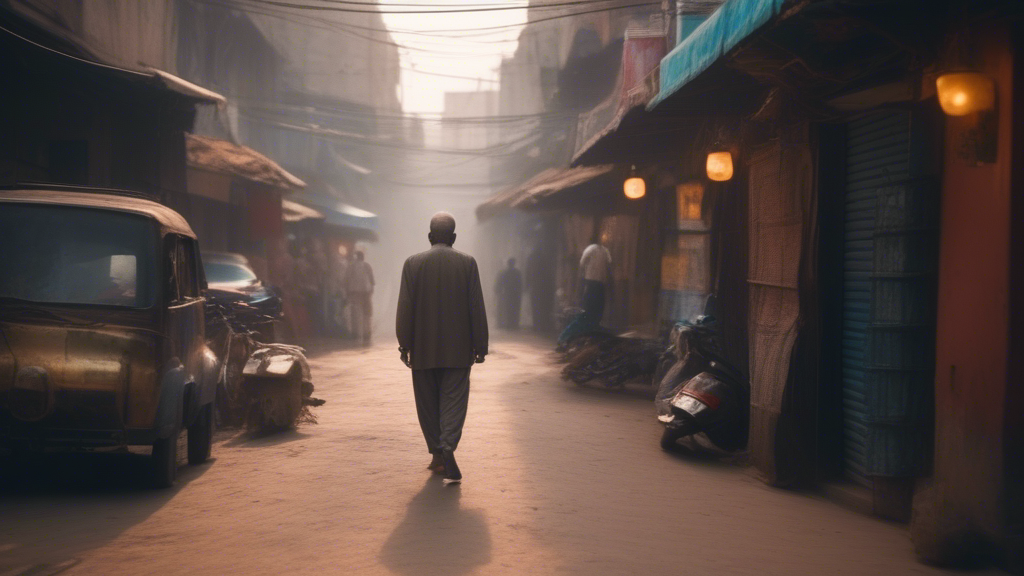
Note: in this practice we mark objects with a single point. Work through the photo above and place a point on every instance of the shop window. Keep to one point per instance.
(684, 263)
(689, 202)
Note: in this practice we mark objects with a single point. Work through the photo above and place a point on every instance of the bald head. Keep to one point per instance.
(442, 229)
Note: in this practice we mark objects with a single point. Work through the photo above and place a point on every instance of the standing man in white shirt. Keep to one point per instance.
(595, 274)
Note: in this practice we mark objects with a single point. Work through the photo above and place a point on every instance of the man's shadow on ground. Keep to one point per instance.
(437, 536)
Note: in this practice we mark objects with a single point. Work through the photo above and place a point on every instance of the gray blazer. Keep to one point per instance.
(441, 316)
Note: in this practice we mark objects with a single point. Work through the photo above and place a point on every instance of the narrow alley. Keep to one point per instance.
(559, 479)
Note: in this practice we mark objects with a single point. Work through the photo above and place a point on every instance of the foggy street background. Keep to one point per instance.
(558, 480)
(800, 221)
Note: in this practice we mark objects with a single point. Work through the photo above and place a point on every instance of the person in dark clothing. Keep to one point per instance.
(540, 283)
(442, 332)
(510, 296)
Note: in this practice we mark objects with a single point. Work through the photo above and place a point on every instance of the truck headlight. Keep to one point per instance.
(29, 399)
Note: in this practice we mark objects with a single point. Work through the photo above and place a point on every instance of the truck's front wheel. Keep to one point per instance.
(200, 436)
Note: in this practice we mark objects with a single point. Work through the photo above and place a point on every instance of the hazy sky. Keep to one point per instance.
(456, 46)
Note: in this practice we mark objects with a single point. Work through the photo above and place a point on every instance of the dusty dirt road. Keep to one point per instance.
(558, 480)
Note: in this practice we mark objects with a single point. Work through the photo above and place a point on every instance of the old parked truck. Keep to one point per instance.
(101, 326)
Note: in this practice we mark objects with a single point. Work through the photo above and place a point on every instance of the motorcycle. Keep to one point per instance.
(263, 386)
(700, 393)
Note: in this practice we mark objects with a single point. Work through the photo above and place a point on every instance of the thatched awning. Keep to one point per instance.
(547, 183)
(227, 158)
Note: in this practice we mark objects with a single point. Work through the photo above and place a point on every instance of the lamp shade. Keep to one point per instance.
(720, 166)
(963, 93)
(634, 188)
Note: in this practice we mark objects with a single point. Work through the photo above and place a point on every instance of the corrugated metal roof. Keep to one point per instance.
(186, 88)
(336, 212)
(721, 32)
(145, 74)
(637, 83)
(295, 212)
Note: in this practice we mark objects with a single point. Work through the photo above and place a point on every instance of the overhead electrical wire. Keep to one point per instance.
(290, 16)
(343, 112)
(242, 4)
(555, 17)
(343, 28)
(347, 28)
(443, 75)
(474, 5)
(461, 10)
(291, 11)
(354, 138)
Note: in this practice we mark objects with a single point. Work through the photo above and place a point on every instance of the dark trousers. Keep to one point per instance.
(442, 395)
(593, 311)
(509, 307)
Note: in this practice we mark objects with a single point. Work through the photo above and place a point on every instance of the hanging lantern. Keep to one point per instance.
(963, 93)
(634, 187)
(720, 166)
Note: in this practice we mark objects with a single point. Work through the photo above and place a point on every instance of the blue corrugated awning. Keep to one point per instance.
(336, 212)
(730, 24)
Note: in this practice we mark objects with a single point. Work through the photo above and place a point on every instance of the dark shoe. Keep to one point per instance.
(436, 464)
(451, 469)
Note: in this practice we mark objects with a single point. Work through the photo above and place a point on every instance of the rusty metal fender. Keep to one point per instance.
(198, 392)
(208, 378)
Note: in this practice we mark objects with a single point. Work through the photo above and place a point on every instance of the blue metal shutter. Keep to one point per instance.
(878, 154)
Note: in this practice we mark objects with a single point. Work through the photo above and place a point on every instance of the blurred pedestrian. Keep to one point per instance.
(338, 297)
(359, 288)
(442, 332)
(285, 279)
(309, 291)
(320, 279)
(540, 283)
(509, 290)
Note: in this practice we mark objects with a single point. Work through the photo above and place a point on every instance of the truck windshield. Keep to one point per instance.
(68, 255)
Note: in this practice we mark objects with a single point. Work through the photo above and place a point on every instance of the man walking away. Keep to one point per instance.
(360, 290)
(510, 296)
(442, 331)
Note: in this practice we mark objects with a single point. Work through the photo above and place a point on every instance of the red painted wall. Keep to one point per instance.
(965, 494)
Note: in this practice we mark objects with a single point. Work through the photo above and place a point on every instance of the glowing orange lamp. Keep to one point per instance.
(720, 166)
(634, 187)
(963, 93)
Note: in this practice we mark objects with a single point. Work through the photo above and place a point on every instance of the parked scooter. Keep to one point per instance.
(264, 386)
(700, 392)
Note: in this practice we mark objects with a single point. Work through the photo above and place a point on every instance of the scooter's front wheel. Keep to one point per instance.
(676, 429)
(668, 439)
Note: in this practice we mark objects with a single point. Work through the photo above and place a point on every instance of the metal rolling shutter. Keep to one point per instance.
(878, 153)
